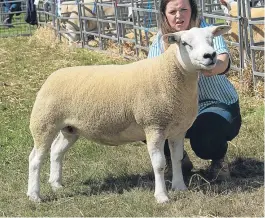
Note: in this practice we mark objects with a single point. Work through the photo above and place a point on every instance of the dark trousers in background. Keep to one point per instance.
(10, 7)
(212, 129)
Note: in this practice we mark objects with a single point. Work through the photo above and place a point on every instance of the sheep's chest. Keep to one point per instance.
(185, 111)
(185, 118)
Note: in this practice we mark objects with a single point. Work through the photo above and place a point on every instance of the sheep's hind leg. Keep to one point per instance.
(176, 147)
(65, 139)
(155, 144)
(35, 160)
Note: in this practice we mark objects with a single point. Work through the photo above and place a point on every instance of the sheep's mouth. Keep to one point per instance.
(208, 66)
(209, 63)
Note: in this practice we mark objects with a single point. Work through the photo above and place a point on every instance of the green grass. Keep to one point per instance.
(111, 181)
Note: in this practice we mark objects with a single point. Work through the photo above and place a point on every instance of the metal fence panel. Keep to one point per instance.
(12, 21)
(130, 25)
(256, 41)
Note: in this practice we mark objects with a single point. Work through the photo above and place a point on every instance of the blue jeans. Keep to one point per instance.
(212, 129)
(11, 7)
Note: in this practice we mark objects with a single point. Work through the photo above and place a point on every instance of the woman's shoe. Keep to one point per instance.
(219, 169)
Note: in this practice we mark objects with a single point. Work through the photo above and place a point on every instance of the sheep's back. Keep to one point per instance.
(91, 98)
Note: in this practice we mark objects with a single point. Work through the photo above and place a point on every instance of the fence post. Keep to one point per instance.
(85, 24)
(98, 25)
(1, 12)
(157, 5)
(135, 32)
(251, 44)
(117, 15)
(245, 27)
(80, 23)
(240, 38)
(53, 9)
(58, 20)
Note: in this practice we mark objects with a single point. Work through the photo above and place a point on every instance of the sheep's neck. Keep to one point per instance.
(176, 57)
(177, 82)
(174, 73)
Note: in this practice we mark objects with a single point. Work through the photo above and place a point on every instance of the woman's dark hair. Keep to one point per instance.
(163, 22)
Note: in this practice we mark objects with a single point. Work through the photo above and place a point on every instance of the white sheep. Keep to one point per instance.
(152, 99)
(69, 9)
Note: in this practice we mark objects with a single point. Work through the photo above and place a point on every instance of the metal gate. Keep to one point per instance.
(128, 26)
(12, 21)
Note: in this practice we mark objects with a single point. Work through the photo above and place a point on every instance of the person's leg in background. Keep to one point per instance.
(7, 17)
(209, 134)
(9, 9)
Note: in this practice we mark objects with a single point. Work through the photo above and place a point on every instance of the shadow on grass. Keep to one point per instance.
(120, 184)
(111, 184)
(246, 175)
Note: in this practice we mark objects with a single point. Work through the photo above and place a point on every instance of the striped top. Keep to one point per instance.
(212, 90)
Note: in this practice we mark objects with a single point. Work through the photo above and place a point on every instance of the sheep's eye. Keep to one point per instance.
(171, 39)
(186, 44)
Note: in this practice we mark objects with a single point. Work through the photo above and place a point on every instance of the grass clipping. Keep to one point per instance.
(46, 36)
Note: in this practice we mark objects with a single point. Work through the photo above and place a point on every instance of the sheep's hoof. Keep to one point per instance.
(179, 187)
(34, 197)
(161, 198)
(56, 185)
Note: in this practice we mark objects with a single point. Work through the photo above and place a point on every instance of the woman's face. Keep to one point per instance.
(178, 13)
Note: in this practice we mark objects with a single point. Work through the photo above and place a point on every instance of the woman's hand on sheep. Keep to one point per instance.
(208, 73)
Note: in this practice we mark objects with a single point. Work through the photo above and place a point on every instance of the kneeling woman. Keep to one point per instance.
(219, 118)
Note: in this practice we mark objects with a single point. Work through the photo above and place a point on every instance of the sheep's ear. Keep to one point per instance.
(226, 3)
(219, 30)
(173, 37)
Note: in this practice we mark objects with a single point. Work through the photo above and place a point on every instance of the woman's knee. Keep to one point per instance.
(209, 149)
(208, 137)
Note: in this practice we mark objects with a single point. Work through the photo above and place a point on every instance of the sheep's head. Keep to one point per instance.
(195, 46)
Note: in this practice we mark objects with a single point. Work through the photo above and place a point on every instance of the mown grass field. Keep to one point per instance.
(112, 181)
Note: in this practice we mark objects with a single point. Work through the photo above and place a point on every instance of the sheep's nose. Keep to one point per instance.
(208, 55)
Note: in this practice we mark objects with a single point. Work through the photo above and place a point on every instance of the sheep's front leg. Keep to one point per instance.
(59, 147)
(155, 145)
(176, 147)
